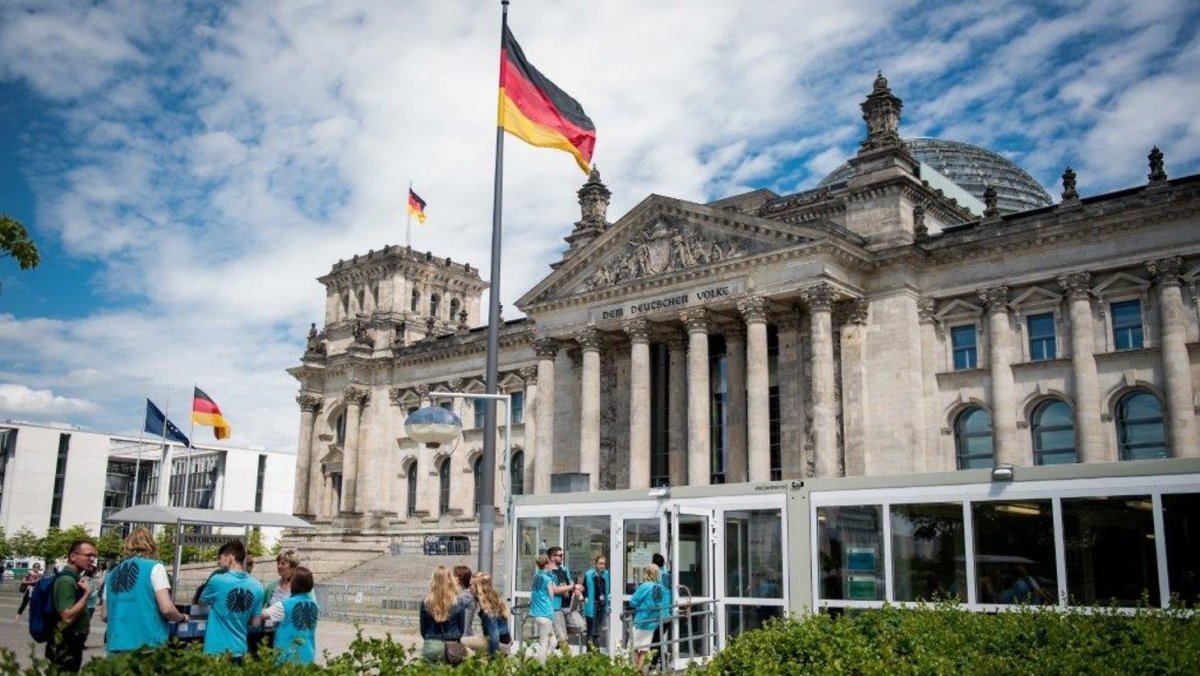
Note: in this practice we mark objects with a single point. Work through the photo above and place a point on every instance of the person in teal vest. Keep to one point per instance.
(295, 620)
(234, 601)
(648, 605)
(137, 598)
(597, 589)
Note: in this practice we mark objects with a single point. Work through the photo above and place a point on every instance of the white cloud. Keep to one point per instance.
(23, 401)
(219, 158)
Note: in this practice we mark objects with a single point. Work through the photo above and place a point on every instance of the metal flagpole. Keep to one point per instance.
(408, 221)
(487, 515)
(164, 467)
(137, 463)
(187, 463)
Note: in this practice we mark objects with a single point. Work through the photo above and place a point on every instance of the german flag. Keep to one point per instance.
(206, 412)
(416, 206)
(535, 110)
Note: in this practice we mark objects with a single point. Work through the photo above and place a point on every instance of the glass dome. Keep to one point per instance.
(974, 169)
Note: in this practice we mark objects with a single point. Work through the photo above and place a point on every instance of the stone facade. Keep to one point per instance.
(846, 330)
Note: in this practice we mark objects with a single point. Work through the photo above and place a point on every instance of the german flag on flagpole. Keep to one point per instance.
(206, 412)
(416, 206)
(535, 110)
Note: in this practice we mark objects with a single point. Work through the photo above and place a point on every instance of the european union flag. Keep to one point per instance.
(155, 420)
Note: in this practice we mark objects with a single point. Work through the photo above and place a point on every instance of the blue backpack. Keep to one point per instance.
(43, 618)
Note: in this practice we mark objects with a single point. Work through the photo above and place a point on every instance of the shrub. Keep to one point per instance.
(946, 639)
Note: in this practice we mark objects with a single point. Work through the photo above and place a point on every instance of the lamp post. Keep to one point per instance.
(434, 425)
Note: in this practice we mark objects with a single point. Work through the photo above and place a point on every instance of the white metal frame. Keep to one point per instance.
(970, 494)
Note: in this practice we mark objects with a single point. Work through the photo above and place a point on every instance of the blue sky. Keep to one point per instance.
(188, 170)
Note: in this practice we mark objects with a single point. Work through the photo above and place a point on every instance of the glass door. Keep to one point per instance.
(638, 540)
(693, 546)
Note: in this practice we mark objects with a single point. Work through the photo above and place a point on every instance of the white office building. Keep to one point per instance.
(62, 476)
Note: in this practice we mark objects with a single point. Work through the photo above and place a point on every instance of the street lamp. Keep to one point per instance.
(434, 425)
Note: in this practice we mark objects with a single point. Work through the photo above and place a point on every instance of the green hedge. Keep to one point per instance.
(942, 639)
(949, 640)
(365, 656)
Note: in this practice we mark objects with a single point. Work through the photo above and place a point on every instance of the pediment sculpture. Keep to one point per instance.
(665, 246)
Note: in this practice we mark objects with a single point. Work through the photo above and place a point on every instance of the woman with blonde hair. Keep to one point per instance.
(137, 598)
(493, 617)
(285, 565)
(442, 617)
(649, 605)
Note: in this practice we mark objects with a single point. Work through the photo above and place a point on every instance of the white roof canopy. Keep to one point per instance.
(206, 517)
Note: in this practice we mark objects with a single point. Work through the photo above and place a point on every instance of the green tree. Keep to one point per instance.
(15, 242)
(24, 543)
(110, 545)
(56, 543)
(5, 546)
(255, 546)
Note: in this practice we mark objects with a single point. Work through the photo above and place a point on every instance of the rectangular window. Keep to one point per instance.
(8, 446)
(928, 552)
(258, 490)
(534, 536)
(518, 407)
(1181, 523)
(60, 478)
(1014, 553)
(775, 408)
(1041, 337)
(660, 394)
(962, 338)
(585, 538)
(118, 486)
(851, 553)
(718, 408)
(479, 410)
(1109, 547)
(1127, 324)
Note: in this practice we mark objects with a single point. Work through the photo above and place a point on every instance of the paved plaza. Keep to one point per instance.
(14, 635)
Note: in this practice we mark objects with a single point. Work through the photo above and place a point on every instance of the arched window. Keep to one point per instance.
(1053, 433)
(345, 304)
(444, 493)
(416, 300)
(375, 296)
(434, 301)
(517, 470)
(477, 471)
(454, 307)
(339, 428)
(973, 438)
(362, 300)
(411, 477)
(1140, 431)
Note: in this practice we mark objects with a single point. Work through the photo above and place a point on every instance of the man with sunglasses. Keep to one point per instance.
(70, 593)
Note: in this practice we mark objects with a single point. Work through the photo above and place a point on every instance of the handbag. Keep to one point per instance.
(574, 621)
(456, 653)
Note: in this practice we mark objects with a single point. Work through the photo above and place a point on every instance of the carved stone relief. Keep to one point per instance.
(666, 245)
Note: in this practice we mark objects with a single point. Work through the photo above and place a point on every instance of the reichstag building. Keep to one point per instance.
(928, 306)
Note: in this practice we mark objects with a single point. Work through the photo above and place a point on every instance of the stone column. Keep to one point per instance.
(589, 406)
(699, 463)
(1004, 407)
(677, 410)
(1181, 417)
(791, 395)
(735, 388)
(819, 300)
(934, 459)
(854, 390)
(1089, 435)
(547, 352)
(356, 397)
(639, 402)
(308, 471)
(758, 389)
(530, 431)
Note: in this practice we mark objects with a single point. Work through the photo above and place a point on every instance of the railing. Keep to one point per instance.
(371, 603)
(695, 638)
